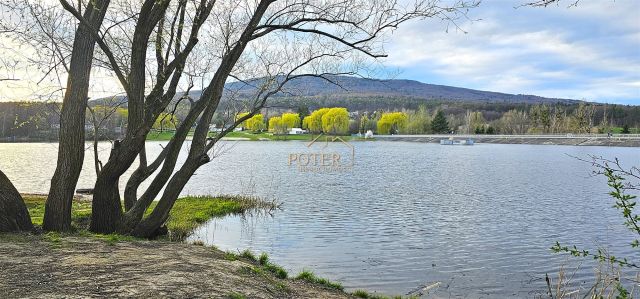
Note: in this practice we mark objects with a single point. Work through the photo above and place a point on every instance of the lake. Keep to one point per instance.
(479, 219)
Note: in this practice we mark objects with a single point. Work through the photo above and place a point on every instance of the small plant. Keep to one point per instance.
(264, 259)
(234, 295)
(248, 255)
(230, 256)
(278, 271)
(617, 179)
(312, 278)
(53, 237)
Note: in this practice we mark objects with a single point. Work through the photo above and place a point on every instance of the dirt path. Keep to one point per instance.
(74, 267)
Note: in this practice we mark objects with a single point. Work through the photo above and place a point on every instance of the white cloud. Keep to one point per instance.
(555, 52)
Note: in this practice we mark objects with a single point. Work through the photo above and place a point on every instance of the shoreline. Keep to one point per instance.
(81, 263)
(632, 140)
(73, 266)
(513, 139)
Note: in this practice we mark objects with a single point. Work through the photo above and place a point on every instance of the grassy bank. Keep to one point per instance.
(187, 214)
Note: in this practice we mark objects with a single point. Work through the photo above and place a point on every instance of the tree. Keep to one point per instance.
(514, 122)
(419, 121)
(14, 215)
(439, 124)
(57, 216)
(277, 126)
(303, 111)
(392, 123)
(313, 122)
(335, 121)
(625, 129)
(255, 123)
(582, 118)
(362, 127)
(290, 120)
(151, 46)
(475, 122)
(165, 121)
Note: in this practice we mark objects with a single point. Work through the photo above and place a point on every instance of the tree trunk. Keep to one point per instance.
(14, 215)
(57, 215)
(147, 227)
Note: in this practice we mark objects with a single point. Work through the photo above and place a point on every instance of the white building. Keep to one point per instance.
(297, 131)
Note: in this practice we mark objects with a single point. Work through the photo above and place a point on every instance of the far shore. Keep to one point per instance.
(568, 139)
(620, 140)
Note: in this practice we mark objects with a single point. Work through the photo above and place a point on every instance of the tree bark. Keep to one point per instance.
(198, 152)
(106, 206)
(57, 215)
(14, 215)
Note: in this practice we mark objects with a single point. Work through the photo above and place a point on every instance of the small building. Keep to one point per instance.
(297, 131)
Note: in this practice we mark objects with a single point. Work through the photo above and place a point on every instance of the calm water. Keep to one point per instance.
(479, 219)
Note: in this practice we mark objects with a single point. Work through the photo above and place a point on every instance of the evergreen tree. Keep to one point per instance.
(440, 123)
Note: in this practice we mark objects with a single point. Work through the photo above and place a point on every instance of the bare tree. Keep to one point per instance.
(57, 215)
(545, 3)
(46, 30)
(146, 46)
(101, 114)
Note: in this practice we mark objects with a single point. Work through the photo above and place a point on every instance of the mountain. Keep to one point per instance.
(356, 93)
(360, 87)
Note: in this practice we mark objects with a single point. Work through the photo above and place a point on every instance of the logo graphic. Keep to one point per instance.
(325, 154)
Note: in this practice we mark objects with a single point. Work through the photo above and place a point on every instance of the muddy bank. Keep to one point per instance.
(525, 140)
(72, 267)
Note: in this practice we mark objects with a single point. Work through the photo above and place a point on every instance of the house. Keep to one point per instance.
(297, 131)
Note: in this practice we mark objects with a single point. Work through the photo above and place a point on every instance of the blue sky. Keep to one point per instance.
(589, 52)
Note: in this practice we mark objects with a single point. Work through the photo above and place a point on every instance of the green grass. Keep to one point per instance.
(192, 211)
(160, 136)
(618, 130)
(278, 271)
(187, 213)
(80, 210)
(235, 295)
(312, 278)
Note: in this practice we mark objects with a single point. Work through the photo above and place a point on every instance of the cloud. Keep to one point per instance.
(591, 51)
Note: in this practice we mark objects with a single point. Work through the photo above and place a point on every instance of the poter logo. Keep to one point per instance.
(324, 154)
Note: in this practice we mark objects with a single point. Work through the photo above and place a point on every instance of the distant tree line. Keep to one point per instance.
(40, 120)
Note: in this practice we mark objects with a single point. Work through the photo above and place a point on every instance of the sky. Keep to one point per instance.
(590, 51)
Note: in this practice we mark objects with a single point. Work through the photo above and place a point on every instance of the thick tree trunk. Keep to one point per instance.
(57, 215)
(14, 215)
(106, 209)
(198, 152)
(168, 158)
(147, 227)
